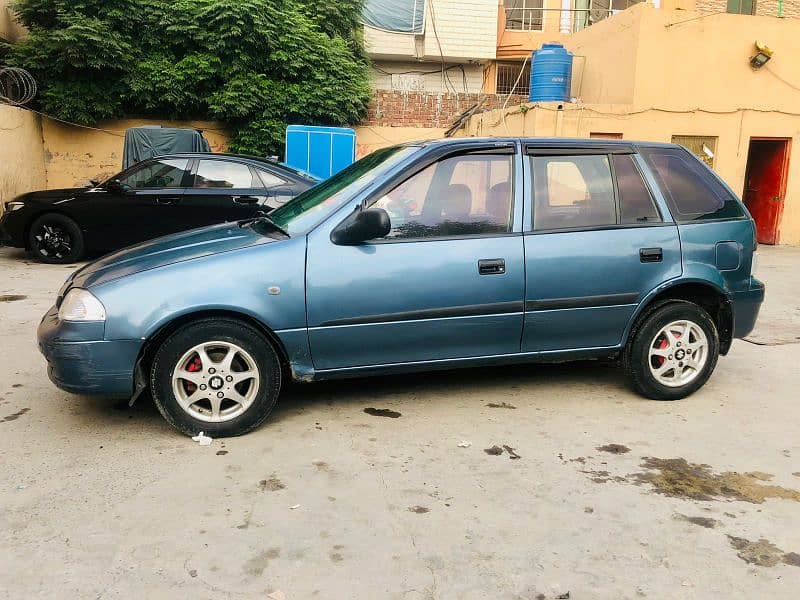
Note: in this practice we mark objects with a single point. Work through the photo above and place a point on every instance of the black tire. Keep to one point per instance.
(56, 239)
(228, 331)
(638, 358)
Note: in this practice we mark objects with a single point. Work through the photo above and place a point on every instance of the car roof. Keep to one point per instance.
(546, 142)
(297, 173)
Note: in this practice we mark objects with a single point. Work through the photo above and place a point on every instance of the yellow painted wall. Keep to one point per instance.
(74, 155)
(21, 157)
(369, 139)
(10, 29)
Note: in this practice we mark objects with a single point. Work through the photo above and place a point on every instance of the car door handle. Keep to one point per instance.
(491, 266)
(167, 200)
(647, 255)
(245, 199)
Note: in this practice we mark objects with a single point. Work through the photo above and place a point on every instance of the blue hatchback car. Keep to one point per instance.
(422, 256)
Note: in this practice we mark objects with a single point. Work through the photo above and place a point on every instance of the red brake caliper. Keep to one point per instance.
(194, 366)
(660, 359)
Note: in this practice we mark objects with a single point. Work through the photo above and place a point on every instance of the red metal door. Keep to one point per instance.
(765, 185)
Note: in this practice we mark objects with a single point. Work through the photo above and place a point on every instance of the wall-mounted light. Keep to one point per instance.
(762, 55)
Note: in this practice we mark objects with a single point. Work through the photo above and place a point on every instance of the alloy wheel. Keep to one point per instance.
(678, 353)
(53, 241)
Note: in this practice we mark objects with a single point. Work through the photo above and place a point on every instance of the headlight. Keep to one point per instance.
(14, 205)
(81, 305)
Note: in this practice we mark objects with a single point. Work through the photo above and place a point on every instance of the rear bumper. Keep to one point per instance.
(745, 305)
(87, 366)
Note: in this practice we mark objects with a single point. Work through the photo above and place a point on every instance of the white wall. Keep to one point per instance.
(466, 30)
(426, 77)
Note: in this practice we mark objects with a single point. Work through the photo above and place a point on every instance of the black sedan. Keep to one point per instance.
(153, 198)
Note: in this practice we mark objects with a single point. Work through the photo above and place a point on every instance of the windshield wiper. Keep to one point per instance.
(264, 219)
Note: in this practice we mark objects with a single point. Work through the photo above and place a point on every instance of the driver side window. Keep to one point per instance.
(462, 195)
(158, 174)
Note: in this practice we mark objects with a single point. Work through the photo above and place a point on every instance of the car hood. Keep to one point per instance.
(51, 196)
(159, 252)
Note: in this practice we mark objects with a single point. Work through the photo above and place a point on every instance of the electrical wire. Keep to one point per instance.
(445, 76)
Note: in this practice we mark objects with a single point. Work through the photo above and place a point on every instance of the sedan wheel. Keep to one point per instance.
(56, 239)
(678, 353)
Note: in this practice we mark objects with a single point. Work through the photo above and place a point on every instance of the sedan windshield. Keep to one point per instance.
(309, 208)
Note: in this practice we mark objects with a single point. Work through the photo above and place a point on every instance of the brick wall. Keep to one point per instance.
(764, 8)
(426, 109)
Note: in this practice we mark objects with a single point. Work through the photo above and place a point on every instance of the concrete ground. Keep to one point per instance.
(612, 496)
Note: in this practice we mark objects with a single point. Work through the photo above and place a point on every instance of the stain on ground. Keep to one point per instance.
(588, 510)
(420, 510)
(603, 476)
(498, 450)
(14, 416)
(382, 412)
(763, 553)
(493, 451)
(677, 478)
(614, 449)
(11, 297)
(706, 522)
(512, 454)
(336, 557)
(501, 405)
(221, 452)
(273, 484)
(256, 565)
(321, 465)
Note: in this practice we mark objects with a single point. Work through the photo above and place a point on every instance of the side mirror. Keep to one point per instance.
(362, 226)
(115, 185)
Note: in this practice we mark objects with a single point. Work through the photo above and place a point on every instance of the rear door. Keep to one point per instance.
(221, 190)
(598, 242)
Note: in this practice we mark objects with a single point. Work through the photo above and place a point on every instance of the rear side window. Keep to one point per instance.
(635, 201)
(224, 174)
(691, 191)
(572, 192)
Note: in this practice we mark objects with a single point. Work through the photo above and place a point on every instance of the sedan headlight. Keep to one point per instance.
(81, 305)
(14, 205)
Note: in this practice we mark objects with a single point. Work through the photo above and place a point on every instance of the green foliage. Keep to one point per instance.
(255, 64)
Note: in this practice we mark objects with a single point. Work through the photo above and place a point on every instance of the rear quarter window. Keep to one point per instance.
(692, 192)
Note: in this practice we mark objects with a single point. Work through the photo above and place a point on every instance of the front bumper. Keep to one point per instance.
(745, 305)
(12, 230)
(80, 361)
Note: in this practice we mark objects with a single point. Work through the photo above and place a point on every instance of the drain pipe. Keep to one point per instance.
(566, 11)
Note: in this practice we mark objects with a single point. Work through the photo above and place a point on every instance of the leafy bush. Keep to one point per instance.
(254, 64)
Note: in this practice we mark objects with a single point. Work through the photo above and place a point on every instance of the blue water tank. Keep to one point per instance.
(551, 74)
(321, 151)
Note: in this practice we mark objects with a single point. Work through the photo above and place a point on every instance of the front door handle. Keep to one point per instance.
(491, 266)
(167, 200)
(647, 255)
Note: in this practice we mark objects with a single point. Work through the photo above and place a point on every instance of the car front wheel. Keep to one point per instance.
(56, 239)
(215, 375)
(673, 352)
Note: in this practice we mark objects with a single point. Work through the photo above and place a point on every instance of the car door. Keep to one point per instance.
(221, 190)
(138, 204)
(446, 283)
(598, 243)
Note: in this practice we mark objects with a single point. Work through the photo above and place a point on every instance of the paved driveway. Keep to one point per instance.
(569, 482)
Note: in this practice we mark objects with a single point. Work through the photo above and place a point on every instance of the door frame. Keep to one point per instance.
(784, 176)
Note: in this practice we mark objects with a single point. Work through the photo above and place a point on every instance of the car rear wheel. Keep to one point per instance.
(215, 375)
(673, 351)
(56, 239)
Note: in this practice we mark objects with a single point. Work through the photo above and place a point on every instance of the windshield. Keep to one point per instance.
(309, 208)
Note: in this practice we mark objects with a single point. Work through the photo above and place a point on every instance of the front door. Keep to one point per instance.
(598, 245)
(447, 282)
(765, 185)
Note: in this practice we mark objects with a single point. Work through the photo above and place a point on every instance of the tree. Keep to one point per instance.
(254, 64)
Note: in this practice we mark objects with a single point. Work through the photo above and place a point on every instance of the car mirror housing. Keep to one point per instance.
(115, 185)
(361, 226)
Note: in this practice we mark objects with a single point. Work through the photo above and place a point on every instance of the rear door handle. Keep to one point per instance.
(647, 255)
(168, 200)
(245, 199)
(491, 266)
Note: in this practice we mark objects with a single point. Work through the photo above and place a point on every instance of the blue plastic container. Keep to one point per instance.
(551, 74)
(321, 151)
